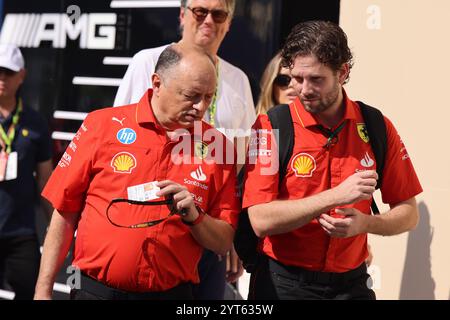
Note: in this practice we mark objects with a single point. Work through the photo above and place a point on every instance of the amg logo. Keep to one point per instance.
(95, 30)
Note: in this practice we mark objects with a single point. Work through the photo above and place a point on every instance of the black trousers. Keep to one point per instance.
(19, 265)
(91, 289)
(275, 281)
(211, 270)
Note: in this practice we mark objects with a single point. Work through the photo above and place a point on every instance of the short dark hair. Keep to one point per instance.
(169, 58)
(323, 39)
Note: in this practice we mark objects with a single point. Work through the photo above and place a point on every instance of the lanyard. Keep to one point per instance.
(213, 105)
(332, 137)
(9, 138)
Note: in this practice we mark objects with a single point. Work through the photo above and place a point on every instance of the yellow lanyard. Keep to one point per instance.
(9, 138)
(213, 105)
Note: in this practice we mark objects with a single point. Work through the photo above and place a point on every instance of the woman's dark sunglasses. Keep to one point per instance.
(200, 14)
(282, 80)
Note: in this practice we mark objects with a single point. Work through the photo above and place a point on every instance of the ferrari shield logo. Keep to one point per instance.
(362, 131)
(200, 149)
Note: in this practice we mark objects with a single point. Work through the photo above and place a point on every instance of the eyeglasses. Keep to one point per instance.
(282, 80)
(200, 14)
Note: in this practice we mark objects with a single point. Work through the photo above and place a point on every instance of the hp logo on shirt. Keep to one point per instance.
(126, 136)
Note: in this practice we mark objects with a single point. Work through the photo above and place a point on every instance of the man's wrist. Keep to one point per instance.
(197, 220)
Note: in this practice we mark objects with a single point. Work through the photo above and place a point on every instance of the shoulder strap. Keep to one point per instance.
(376, 129)
(280, 118)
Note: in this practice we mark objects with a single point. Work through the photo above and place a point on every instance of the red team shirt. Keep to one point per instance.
(118, 148)
(313, 169)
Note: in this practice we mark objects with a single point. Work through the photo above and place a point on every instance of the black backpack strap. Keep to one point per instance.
(376, 129)
(280, 118)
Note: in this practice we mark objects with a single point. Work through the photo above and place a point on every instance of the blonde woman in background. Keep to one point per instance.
(275, 85)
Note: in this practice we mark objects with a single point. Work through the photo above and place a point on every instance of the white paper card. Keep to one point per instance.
(143, 192)
(11, 166)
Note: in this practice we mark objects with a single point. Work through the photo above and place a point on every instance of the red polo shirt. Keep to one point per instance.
(313, 169)
(117, 148)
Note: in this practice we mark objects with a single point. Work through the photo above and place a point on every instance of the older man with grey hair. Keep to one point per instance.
(204, 24)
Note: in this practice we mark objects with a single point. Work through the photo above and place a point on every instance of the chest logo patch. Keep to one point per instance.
(362, 132)
(200, 149)
(126, 136)
(123, 162)
(25, 132)
(198, 174)
(303, 165)
(367, 161)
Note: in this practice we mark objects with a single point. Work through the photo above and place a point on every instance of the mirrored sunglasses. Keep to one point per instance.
(200, 14)
(282, 80)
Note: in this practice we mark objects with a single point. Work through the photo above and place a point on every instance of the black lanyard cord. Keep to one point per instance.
(146, 224)
(332, 135)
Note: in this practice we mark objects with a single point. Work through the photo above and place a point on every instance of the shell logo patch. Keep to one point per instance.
(362, 132)
(303, 165)
(123, 162)
(200, 149)
(25, 132)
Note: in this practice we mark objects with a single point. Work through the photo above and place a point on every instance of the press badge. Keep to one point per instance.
(8, 166)
(143, 192)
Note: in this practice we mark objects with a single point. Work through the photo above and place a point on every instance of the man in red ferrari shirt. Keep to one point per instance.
(133, 153)
(314, 228)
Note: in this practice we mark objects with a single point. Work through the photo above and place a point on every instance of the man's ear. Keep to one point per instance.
(343, 73)
(22, 75)
(182, 12)
(156, 83)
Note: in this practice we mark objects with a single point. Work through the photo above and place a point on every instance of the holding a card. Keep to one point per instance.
(147, 187)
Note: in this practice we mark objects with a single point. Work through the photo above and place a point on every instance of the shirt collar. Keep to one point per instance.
(144, 110)
(306, 119)
(145, 114)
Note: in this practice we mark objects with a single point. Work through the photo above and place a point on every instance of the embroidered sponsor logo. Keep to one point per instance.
(65, 160)
(73, 146)
(303, 165)
(367, 161)
(200, 149)
(25, 132)
(197, 199)
(362, 132)
(259, 153)
(126, 136)
(198, 174)
(403, 150)
(196, 183)
(123, 162)
(119, 121)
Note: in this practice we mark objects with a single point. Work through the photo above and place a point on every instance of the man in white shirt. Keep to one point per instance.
(204, 24)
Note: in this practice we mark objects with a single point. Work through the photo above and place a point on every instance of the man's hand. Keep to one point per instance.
(353, 223)
(183, 201)
(359, 186)
(234, 266)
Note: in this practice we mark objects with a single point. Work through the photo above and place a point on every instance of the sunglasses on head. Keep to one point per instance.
(282, 80)
(200, 14)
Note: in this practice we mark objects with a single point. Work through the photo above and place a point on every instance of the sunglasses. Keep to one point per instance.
(200, 14)
(282, 80)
